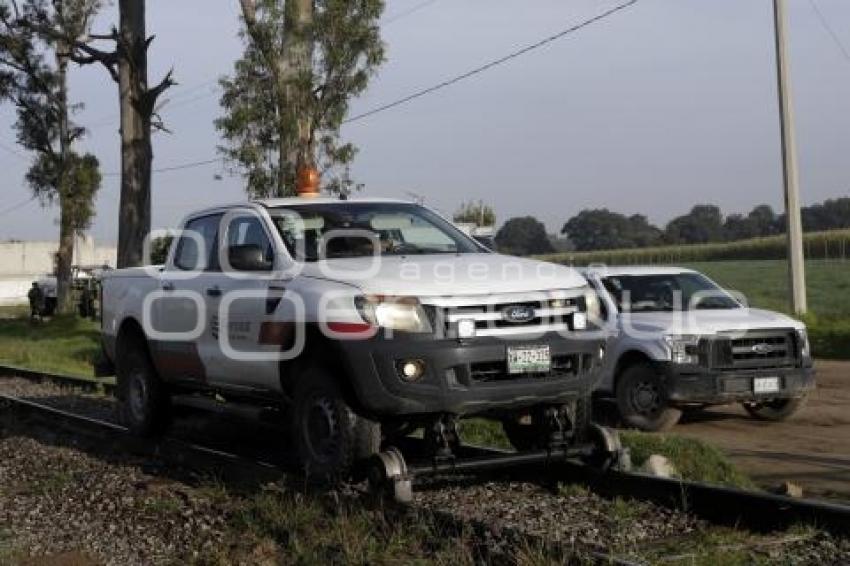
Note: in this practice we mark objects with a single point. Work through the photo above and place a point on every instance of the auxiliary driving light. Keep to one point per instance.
(466, 328)
(579, 321)
(412, 370)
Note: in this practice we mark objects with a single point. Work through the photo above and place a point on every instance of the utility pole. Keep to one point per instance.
(796, 263)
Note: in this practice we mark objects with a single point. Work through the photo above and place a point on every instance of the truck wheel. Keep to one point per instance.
(777, 409)
(144, 405)
(642, 400)
(329, 436)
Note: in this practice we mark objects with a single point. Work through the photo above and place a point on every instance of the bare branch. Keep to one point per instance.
(166, 83)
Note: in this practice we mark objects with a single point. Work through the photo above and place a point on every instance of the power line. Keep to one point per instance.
(825, 23)
(412, 10)
(178, 167)
(491, 64)
(446, 83)
(15, 207)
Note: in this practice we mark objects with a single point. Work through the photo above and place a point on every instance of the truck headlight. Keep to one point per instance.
(683, 348)
(803, 340)
(594, 310)
(404, 314)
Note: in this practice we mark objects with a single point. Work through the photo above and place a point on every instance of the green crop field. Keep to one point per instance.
(830, 245)
(765, 284)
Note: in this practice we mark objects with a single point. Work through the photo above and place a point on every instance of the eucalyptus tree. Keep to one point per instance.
(34, 77)
(289, 95)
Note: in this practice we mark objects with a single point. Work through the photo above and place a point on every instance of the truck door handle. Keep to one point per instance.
(168, 286)
(213, 292)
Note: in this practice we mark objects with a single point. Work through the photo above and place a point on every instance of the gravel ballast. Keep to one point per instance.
(57, 499)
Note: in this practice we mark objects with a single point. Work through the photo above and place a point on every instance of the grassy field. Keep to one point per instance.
(765, 284)
(65, 344)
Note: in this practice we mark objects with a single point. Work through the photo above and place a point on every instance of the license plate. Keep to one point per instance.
(765, 385)
(529, 359)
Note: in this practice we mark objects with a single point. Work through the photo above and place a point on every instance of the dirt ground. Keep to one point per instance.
(811, 450)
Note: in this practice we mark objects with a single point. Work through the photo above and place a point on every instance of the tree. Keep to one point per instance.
(704, 223)
(601, 229)
(764, 220)
(39, 91)
(126, 60)
(829, 215)
(761, 221)
(478, 213)
(283, 108)
(523, 236)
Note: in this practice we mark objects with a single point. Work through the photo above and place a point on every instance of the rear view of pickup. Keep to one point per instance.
(362, 320)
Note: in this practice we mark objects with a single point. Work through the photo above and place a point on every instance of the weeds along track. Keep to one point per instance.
(514, 506)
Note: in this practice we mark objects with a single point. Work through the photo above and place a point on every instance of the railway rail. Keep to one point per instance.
(755, 510)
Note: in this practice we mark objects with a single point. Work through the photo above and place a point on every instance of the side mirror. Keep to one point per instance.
(248, 257)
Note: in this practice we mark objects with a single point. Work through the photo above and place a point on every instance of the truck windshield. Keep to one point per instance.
(359, 229)
(673, 292)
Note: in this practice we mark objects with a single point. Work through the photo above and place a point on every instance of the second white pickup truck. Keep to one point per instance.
(679, 342)
(363, 320)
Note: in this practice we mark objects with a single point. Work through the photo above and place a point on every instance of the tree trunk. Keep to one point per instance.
(296, 60)
(65, 255)
(134, 217)
(64, 259)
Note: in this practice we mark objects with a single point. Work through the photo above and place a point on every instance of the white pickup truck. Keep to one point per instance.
(679, 342)
(363, 319)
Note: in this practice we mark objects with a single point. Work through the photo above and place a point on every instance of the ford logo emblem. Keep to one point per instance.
(763, 349)
(518, 314)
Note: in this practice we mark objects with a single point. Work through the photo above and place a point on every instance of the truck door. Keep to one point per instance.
(184, 324)
(241, 359)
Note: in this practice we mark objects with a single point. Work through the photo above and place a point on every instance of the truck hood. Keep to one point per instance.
(446, 274)
(708, 321)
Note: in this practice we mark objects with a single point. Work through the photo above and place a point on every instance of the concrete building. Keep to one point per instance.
(21, 263)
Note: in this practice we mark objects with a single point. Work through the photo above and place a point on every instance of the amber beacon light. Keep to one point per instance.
(308, 182)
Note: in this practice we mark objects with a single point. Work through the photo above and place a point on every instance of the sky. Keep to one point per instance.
(664, 105)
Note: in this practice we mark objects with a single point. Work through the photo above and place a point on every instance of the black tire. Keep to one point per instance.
(642, 399)
(777, 409)
(144, 405)
(331, 439)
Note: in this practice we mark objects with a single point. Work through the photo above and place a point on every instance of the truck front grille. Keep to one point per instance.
(551, 312)
(758, 349)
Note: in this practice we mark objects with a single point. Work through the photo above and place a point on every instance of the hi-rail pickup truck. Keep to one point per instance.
(363, 320)
(679, 342)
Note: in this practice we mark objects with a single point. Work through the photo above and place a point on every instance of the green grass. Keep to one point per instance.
(278, 525)
(64, 344)
(693, 459)
(765, 284)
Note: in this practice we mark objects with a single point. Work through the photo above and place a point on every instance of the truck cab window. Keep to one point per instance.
(187, 254)
(357, 229)
(249, 231)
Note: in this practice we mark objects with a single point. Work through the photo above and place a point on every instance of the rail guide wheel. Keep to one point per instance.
(388, 471)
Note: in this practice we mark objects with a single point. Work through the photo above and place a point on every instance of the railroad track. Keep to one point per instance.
(757, 511)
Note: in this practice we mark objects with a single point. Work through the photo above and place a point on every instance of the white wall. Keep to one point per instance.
(23, 262)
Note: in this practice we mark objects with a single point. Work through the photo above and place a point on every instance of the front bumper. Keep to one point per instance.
(691, 384)
(452, 382)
